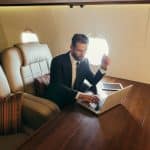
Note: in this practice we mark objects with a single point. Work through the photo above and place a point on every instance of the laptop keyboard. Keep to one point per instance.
(96, 106)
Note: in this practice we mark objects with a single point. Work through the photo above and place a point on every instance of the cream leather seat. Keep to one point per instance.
(33, 116)
(22, 64)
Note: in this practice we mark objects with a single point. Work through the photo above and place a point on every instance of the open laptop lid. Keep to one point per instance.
(115, 98)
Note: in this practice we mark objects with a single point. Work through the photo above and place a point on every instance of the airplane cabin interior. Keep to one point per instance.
(75, 75)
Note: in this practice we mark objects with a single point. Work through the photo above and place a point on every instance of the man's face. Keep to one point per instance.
(79, 51)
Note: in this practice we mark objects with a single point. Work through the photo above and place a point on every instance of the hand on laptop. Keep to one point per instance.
(87, 98)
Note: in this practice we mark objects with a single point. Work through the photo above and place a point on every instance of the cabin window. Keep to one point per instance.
(28, 36)
(96, 49)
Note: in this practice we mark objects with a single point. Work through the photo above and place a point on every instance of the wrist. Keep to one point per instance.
(103, 67)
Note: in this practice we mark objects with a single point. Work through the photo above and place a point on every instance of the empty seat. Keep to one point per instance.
(22, 64)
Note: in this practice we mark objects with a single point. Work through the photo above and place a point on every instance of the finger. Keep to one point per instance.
(96, 99)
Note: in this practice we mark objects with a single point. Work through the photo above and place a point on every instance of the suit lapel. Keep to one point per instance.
(68, 69)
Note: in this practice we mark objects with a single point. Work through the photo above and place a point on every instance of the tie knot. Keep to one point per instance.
(77, 63)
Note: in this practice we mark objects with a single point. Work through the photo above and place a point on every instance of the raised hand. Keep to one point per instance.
(105, 62)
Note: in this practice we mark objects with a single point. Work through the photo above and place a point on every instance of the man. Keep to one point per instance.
(68, 72)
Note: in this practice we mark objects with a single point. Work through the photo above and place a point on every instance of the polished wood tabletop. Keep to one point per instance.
(124, 127)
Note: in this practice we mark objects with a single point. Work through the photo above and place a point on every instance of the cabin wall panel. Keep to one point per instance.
(125, 27)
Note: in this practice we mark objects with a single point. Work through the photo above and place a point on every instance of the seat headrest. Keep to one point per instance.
(4, 86)
(34, 52)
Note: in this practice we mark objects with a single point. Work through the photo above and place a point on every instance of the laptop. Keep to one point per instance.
(107, 102)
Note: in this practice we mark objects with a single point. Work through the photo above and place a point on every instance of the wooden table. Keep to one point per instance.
(125, 127)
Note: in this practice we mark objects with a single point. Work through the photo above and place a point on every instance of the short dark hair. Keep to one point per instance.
(82, 38)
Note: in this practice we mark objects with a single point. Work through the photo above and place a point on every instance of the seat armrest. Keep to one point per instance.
(38, 110)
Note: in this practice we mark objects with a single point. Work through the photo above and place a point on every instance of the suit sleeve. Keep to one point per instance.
(91, 77)
(56, 72)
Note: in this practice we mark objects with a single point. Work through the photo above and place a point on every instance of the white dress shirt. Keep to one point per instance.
(74, 66)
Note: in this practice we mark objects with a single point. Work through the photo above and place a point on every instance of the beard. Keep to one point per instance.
(77, 57)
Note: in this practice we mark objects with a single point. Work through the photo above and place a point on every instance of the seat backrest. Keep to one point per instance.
(11, 62)
(33, 60)
(4, 86)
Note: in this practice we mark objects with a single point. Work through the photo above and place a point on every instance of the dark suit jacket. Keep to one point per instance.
(61, 78)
